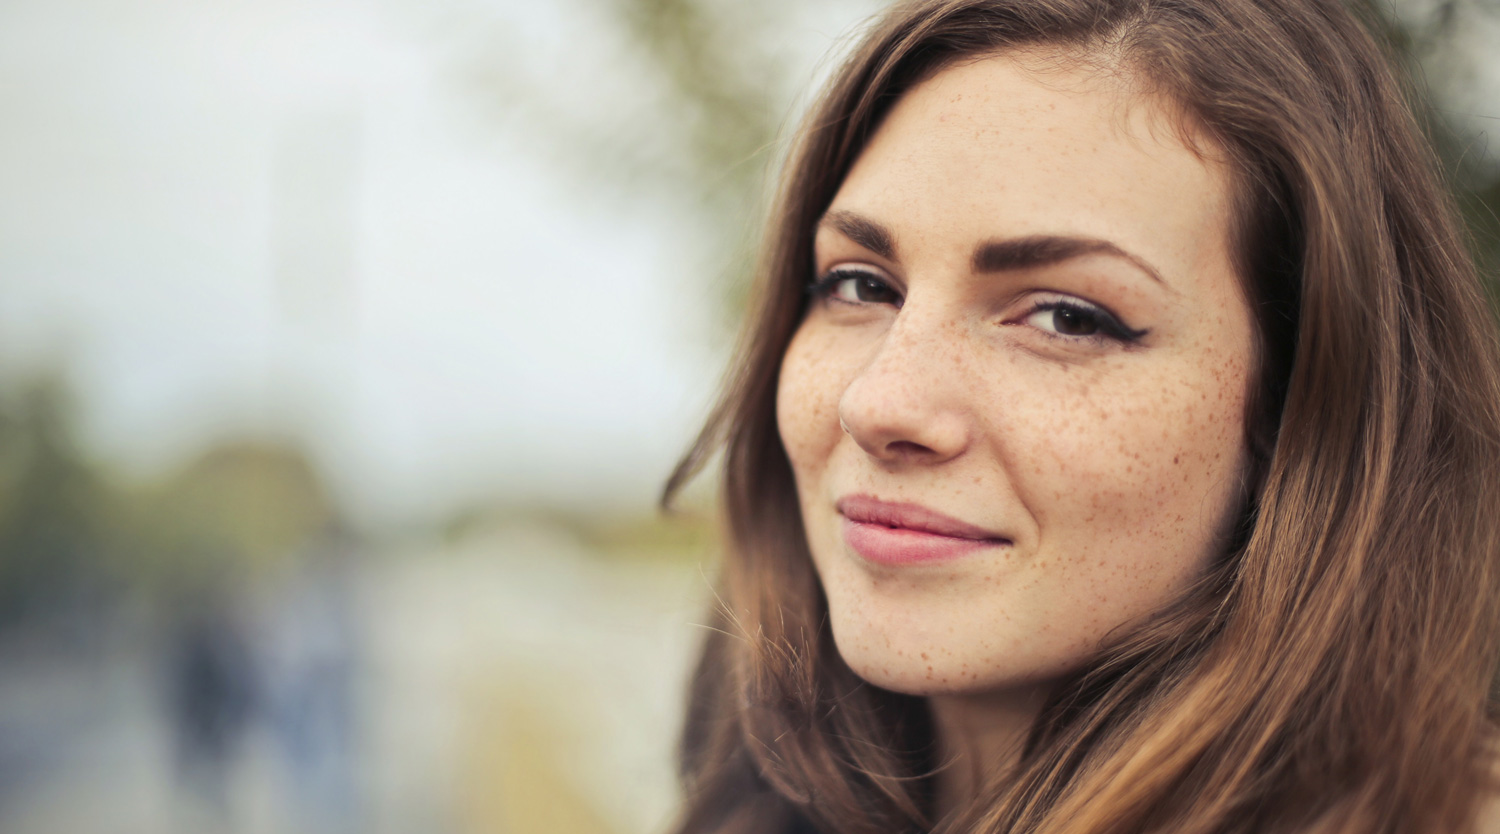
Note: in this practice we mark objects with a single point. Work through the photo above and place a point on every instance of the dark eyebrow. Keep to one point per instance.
(994, 255)
(1044, 250)
(864, 231)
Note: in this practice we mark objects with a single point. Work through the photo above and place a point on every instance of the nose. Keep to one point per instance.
(908, 404)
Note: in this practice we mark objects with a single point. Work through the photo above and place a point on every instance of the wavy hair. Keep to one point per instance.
(1333, 670)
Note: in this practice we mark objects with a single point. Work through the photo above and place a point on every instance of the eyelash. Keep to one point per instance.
(823, 287)
(1108, 326)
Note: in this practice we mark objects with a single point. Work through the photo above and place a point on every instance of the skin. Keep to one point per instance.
(1109, 467)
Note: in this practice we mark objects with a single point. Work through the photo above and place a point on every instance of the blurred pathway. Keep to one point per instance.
(514, 684)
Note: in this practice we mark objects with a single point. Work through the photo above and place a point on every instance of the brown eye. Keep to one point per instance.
(857, 287)
(1076, 319)
(1072, 322)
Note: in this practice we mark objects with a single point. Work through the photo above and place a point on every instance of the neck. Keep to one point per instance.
(979, 739)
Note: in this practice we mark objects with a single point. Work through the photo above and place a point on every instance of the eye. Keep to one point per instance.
(1079, 320)
(855, 286)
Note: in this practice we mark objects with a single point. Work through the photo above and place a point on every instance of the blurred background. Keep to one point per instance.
(344, 346)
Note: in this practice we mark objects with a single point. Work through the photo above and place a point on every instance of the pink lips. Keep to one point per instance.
(904, 534)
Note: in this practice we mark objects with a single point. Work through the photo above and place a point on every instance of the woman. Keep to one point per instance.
(1114, 444)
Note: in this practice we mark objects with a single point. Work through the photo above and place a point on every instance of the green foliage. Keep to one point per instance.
(1423, 36)
(241, 508)
(55, 530)
(646, 537)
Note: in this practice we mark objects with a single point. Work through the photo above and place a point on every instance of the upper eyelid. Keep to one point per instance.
(1053, 296)
(853, 266)
(861, 267)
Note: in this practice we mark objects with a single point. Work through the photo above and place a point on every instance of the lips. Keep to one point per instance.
(892, 533)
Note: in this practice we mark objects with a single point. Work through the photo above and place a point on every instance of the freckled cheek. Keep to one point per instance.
(807, 396)
(1115, 460)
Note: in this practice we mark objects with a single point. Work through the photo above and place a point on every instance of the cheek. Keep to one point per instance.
(1144, 463)
(807, 395)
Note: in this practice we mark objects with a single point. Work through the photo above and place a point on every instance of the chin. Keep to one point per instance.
(917, 683)
(926, 663)
(913, 666)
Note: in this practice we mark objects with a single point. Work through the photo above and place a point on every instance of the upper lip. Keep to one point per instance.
(865, 509)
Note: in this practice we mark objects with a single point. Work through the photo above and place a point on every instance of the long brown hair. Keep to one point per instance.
(1332, 672)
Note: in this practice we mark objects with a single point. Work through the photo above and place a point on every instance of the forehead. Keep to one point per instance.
(1043, 143)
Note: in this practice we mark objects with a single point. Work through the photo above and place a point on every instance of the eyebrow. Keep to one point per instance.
(864, 231)
(1044, 250)
(994, 255)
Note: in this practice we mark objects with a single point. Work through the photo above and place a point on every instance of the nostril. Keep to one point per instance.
(901, 423)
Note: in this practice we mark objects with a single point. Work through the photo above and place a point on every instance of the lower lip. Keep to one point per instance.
(903, 546)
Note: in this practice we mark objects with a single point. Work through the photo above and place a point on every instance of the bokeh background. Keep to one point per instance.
(344, 346)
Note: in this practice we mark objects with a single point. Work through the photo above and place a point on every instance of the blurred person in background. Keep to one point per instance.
(310, 659)
(1113, 446)
(214, 689)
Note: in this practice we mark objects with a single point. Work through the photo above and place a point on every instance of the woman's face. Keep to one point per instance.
(1015, 408)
